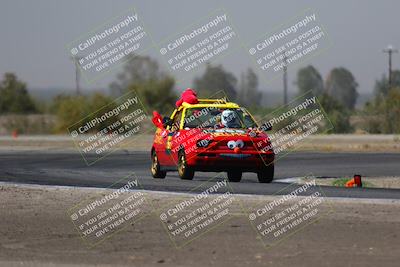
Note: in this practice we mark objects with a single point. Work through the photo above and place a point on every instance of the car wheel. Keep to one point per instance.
(155, 167)
(266, 175)
(234, 176)
(185, 172)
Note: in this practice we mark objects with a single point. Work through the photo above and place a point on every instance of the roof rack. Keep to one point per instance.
(216, 100)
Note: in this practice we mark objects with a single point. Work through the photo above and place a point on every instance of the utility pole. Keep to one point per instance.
(390, 50)
(285, 96)
(77, 73)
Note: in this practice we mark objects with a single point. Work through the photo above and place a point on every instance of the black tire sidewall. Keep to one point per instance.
(159, 174)
(234, 176)
(266, 175)
(188, 174)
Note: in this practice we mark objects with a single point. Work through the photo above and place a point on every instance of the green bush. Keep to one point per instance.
(383, 113)
(72, 109)
(337, 114)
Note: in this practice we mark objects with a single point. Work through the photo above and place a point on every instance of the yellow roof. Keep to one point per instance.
(220, 103)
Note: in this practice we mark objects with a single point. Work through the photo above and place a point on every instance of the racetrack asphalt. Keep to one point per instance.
(69, 169)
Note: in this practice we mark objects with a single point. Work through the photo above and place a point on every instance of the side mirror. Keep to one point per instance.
(167, 122)
(266, 127)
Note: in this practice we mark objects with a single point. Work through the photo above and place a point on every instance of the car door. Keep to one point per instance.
(172, 143)
(166, 152)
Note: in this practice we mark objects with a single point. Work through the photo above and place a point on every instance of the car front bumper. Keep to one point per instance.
(224, 161)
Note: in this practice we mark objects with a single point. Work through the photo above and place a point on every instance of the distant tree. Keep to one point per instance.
(342, 86)
(382, 85)
(241, 96)
(156, 94)
(14, 98)
(308, 78)
(248, 89)
(215, 79)
(137, 70)
(143, 75)
(337, 113)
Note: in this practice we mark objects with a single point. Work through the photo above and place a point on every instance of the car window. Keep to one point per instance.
(212, 118)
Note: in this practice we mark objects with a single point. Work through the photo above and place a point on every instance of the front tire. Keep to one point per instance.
(185, 172)
(156, 171)
(234, 176)
(266, 175)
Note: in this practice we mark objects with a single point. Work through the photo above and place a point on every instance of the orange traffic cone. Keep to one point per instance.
(356, 181)
(350, 183)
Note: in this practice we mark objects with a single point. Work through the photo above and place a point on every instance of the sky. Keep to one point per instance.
(34, 34)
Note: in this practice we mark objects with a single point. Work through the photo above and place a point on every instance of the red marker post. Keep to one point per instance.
(357, 180)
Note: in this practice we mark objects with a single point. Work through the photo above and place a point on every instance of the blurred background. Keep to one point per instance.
(357, 80)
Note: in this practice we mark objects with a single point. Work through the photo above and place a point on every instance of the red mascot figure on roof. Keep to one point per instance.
(189, 96)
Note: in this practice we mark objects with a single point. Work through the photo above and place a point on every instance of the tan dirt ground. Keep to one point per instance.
(36, 231)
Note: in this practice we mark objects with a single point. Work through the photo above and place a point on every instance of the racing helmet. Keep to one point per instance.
(229, 119)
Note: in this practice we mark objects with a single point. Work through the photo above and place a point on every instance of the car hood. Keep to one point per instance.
(235, 132)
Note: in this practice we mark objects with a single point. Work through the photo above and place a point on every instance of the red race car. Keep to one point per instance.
(213, 136)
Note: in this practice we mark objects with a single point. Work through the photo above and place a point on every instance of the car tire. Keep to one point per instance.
(234, 176)
(266, 175)
(185, 172)
(156, 171)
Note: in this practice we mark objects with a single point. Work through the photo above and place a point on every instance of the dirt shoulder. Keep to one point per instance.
(322, 143)
(36, 231)
(368, 182)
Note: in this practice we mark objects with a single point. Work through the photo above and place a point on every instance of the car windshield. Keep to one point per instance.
(213, 117)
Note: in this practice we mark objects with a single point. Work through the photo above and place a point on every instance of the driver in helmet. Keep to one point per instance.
(229, 119)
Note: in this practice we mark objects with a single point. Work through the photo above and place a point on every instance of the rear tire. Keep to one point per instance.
(234, 176)
(266, 175)
(185, 172)
(156, 171)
